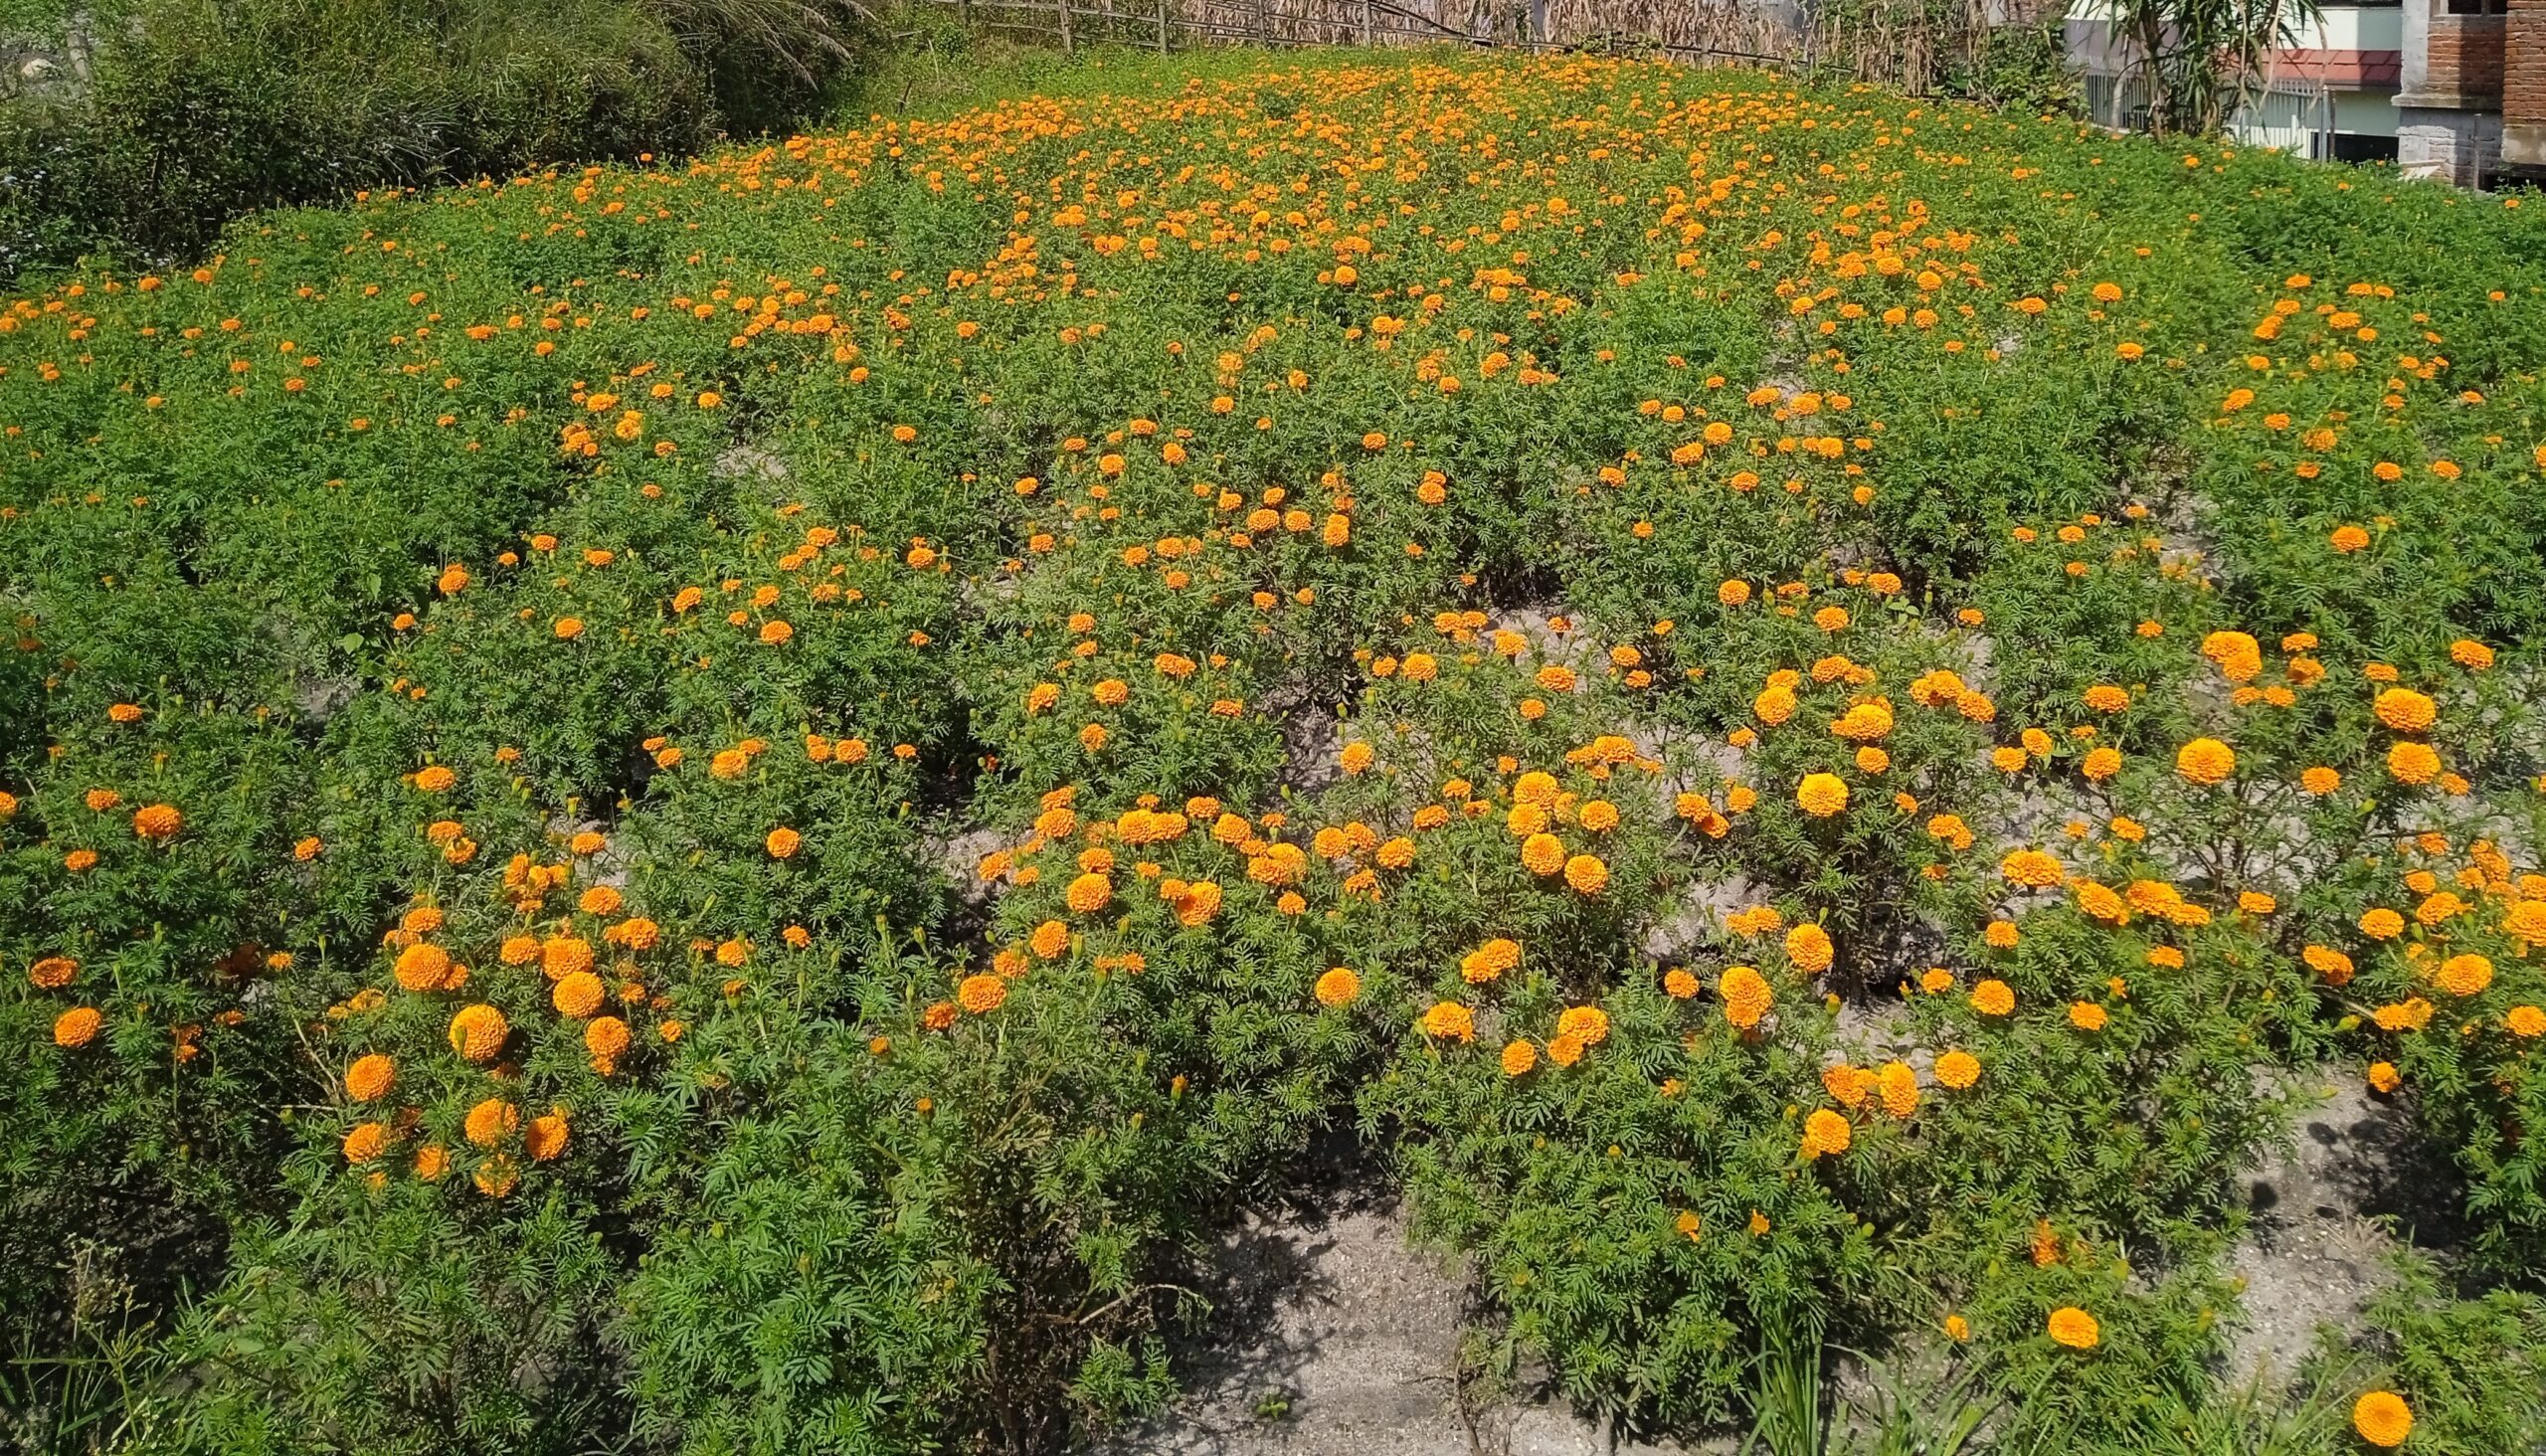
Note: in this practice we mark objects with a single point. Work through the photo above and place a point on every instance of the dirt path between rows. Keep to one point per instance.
(1332, 1335)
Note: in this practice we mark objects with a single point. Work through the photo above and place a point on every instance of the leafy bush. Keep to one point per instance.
(193, 111)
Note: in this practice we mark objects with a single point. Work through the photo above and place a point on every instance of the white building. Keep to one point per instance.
(2330, 94)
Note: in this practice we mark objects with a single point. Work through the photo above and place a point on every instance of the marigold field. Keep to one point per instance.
(723, 806)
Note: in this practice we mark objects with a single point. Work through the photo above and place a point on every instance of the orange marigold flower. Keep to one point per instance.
(1518, 1058)
(1822, 795)
(370, 1077)
(491, 1122)
(1490, 960)
(2413, 762)
(2034, 870)
(545, 1139)
(634, 933)
(2412, 1014)
(1898, 1083)
(981, 993)
(2101, 902)
(2205, 761)
(1586, 873)
(2319, 781)
(1586, 1024)
(2382, 1418)
(1339, 987)
(1049, 940)
(577, 996)
(2073, 1327)
(605, 1038)
(564, 955)
(2238, 655)
(1747, 996)
(2405, 710)
(477, 1032)
(1089, 893)
(1993, 997)
(2463, 975)
(422, 965)
(1543, 853)
(365, 1141)
(1957, 1069)
(1449, 1021)
(157, 821)
(77, 1027)
(1826, 1132)
(1808, 948)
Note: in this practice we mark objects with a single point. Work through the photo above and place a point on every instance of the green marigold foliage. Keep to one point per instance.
(726, 807)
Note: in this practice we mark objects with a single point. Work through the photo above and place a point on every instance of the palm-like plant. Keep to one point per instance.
(2202, 58)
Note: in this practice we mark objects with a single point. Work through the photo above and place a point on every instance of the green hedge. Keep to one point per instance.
(194, 111)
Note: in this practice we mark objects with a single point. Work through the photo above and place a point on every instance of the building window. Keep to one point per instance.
(2479, 7)
(2351, 146)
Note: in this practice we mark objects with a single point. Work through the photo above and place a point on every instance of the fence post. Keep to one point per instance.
(964, 13)
(1368, 28)
(1067, 43)
(1161, 27)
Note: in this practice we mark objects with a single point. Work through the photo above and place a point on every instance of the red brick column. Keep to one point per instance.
(2524, 85)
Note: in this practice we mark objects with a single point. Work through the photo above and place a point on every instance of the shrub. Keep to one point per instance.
(194, 111)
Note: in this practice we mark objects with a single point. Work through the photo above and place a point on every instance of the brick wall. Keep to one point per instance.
(2524, 64)
(2465, 56)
